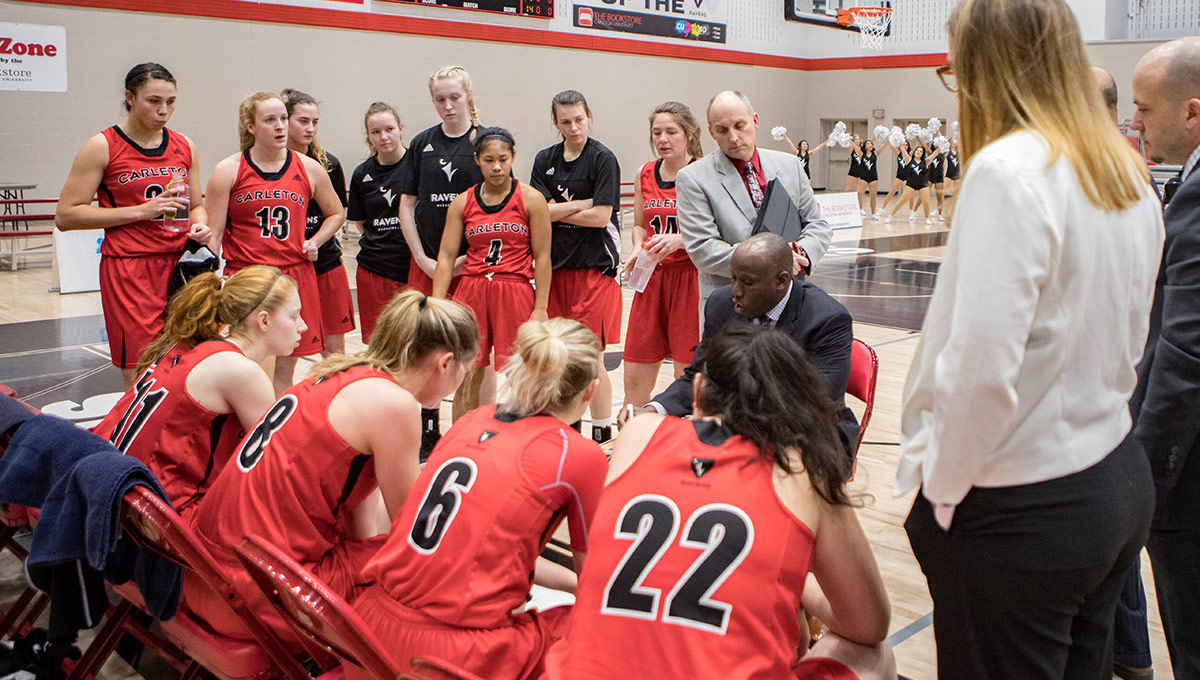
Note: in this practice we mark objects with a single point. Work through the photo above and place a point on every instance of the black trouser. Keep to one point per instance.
(1175, 562)
(1025, 583)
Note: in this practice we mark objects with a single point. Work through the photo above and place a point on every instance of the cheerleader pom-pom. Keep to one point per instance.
(778, 132)
(880, 134)
(839, 127)
(844, 139)
(934, 125)
(896, 136)
(941, 144)
(954, 131)
(911, 131)
(925, 135)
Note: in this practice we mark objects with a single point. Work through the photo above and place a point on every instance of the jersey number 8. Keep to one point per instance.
(441, 502)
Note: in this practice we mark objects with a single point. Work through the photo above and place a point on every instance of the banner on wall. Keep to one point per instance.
(699, 20)
(33, 57)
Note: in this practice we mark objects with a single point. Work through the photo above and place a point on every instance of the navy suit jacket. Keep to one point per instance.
(819, 323)
(1166, 404)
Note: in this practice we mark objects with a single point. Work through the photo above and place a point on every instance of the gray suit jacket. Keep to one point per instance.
(715, 212)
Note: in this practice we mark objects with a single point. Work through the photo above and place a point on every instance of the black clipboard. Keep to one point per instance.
(777, 214)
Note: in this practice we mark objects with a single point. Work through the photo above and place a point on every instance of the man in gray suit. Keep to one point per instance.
(718, 196)
(1165, 406)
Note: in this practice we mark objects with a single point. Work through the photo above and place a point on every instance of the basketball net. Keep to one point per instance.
(872, 23)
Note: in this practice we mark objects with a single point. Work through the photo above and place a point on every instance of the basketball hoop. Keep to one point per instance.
(871, 22)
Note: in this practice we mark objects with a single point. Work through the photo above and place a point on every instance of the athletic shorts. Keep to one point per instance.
(823, 668)
(133, 296)
(511, 652)
(312, 341)
(664, 320)
(501, 305)
(589, 297)
(337, 307)
(419, 281)
(374, 292)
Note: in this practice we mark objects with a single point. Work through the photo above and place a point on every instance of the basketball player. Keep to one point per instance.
(899, 181)
(440, 167)
(868, 177)
(461, 556)
(311, 476)
(375, 188)
(506, 227)
(202, 370)
(264, 192)
(581, 179)
(127, 168)
(664, 319)
(705, 536)
(337, 307)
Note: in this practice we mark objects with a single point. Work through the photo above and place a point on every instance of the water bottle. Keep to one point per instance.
(643, 268)
(176, 221)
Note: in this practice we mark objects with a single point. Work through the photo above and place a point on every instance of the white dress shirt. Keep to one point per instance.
(1039, 316)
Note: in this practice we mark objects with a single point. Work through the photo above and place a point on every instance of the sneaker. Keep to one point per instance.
(887, 219)
(928, 221)
(941, 218)
(879, 213)
(862, 212)
(912, 215)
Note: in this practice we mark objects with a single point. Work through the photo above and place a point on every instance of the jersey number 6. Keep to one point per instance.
(724, 534)
(440, 504)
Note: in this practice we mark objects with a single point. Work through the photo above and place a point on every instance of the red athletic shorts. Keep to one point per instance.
(823, 668)
(512, 652)
(417, 279)
(589, 297)
(337, 308)
(374, 292)
(312, 341)
(340, 569)
(133, 296)
(664, 320)
(501, 305)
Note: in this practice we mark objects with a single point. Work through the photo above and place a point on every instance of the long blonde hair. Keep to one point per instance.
(555, 360)
(247, 110)
(1020, 64)
(292, 99)
(464, 79)
(410, 327)
(207, 305)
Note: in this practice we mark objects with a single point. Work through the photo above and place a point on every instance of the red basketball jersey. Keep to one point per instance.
(497, 235)
(463, 546)
(267, 213)
(183, 443)
(133, 176)
(293, 478)
(658, 208)
(694, 569)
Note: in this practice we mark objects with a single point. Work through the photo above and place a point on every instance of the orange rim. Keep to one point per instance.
(846, 17)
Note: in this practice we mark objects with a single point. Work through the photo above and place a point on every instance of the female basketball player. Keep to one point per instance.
(461, 554)
(582, 180)
(337, 307)
(900, 180)
(265, 190)
(440, 167)
(202, 370)
(855, 170)
(868, 177)
(127, 168)
(663, 319)
(701, 551)
(804, 152)
(306, 478)
(917, 183)
(383, 254)
(506, 226)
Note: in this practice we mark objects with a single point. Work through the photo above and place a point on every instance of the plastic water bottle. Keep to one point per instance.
(176, 221)
(643, 268)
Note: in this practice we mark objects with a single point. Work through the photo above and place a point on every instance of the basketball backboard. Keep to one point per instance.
(825, 12)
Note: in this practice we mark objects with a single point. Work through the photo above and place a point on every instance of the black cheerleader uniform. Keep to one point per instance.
(918, 175)
(952, 168)
(855, 165)
(804, 159)
(901, 169)
(937, 170)
(868, 169)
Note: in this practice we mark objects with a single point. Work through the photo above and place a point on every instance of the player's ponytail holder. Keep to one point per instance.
(222, 286)
(424, 301)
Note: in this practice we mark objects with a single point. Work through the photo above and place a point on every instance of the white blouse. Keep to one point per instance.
(1039, 317)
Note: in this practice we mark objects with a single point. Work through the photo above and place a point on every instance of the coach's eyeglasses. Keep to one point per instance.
(946, 73)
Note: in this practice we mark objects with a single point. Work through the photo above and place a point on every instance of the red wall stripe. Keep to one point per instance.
(442, 28)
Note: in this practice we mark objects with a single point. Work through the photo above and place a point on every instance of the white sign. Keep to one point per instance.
(840, 210)
(78, 257)
(33, 57)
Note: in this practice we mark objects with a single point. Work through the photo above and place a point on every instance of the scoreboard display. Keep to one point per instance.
(530, 8)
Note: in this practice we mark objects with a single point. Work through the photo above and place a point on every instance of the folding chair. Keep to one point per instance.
(156, 526)
(864, 372)
(323, 616)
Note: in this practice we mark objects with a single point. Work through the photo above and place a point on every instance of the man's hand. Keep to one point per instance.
(628, 411)
(800, 262)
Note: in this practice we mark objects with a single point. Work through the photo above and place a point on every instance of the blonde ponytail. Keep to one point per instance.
(554, 361)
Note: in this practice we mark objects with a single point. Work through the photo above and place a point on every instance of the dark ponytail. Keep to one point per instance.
(762, 384)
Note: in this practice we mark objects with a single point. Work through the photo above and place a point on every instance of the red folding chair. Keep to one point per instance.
(155, 525)
(322, 616)
(864, 372)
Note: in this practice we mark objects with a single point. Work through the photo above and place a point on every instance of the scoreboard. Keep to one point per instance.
(530, 8)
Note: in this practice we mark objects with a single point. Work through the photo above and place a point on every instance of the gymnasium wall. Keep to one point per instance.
(218, 61)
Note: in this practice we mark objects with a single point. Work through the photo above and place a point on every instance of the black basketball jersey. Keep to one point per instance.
(375, 201)
(437, 169)
(595, 174)
(329, 255)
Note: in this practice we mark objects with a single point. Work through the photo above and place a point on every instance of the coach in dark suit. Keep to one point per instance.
(763, 291)
(1166, 404)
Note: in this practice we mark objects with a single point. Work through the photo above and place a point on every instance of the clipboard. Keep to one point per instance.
(777, 214)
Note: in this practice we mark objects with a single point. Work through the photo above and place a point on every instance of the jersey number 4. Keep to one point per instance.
(274, 222)
(144, 403)
(440, 505)
(493, 254)
(723, 533)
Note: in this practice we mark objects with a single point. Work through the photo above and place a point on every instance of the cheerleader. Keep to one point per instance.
(937, 179)
(803, 152)
(868, 177)
(128, 168)
(337, 308)
(664, 318)
(900, 179)
(916, 185)
(375, 188)
(855, 166)
(259, 199)
(506, 227)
